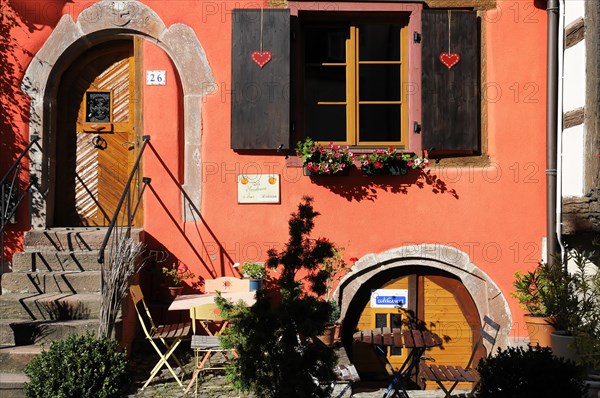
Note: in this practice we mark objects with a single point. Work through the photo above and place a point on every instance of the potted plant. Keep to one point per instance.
(332, 270)
(256, 272)
(390, 162)
(175, 275)
(533, 291)
(577, 319)
(319, 160)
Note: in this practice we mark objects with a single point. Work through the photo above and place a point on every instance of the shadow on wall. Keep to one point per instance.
(210, 254)
(13, 113)
(360, 188)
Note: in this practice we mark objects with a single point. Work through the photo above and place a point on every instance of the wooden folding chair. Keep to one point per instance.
(169, 335)
(209, 317)
(456, 374)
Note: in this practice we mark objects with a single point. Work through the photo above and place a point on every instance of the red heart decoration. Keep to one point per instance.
(261, 57)
(449, 59)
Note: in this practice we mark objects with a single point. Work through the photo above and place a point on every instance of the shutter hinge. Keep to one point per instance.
(417, 128)
(293, 127)
(416, 37)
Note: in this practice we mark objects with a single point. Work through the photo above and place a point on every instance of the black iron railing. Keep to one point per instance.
(12, 193)
(121, 222)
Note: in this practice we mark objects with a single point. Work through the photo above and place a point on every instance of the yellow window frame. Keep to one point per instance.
(352, 103)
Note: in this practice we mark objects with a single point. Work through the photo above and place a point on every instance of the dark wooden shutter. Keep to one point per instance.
(450, 97)
(260, 104)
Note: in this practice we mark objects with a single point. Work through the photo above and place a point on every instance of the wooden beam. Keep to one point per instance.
(574, 32)
(573, 118)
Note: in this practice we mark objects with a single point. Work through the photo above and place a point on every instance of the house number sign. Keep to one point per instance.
(156, 77)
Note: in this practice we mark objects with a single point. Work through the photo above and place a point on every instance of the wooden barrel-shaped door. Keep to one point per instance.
(436, 301)
(97, 139)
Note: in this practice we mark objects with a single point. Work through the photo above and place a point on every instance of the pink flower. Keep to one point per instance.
(378, 165)
(313, 149)
(410, 163)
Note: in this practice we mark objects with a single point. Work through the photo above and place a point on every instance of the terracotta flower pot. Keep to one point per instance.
(175, 291)
(539, 330)
(328, 335)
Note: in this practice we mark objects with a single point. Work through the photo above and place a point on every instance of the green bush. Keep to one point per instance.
(280, 355)
(79, 366)
(526, 373)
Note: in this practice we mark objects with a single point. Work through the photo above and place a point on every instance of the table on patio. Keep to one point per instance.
(417, 341)
(208, 342)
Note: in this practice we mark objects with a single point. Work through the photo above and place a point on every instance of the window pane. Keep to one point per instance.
(326, 122)
(396, 321)
(379, 42)
(325, 83)
(326, 44)
(379, 82)
(379, 123)
(380, 320)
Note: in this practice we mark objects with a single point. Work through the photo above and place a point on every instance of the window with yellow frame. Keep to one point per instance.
(354, 77)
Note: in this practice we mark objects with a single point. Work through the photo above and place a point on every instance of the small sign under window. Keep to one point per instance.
(389, 298)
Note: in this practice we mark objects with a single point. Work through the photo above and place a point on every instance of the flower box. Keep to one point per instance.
(390, 162)
(324, 160)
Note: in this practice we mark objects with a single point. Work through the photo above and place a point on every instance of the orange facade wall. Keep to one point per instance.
(494, 213)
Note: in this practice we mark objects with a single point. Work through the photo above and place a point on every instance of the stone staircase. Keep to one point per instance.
(53, 291)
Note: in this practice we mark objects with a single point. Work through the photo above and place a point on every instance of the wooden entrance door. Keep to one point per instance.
(438, 302)
(97, 140)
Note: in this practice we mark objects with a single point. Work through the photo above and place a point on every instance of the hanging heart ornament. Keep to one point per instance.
(449, 59)
(261, 58)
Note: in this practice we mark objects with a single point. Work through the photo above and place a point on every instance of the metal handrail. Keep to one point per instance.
(126, 193)
(8, 210)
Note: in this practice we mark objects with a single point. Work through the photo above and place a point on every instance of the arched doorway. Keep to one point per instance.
(435, 300)
(96, 136)
(109, 21)
(443, 289)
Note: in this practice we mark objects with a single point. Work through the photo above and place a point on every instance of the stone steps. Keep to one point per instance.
(52, 292)
(47, 260)
(17, 332)
(51, 282)
(49, 306)
(14, 359)
(68, 239)
(65, 239)
(12, 384)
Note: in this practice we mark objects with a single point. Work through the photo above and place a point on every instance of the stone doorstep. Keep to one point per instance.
(68, 239)
(51, 282)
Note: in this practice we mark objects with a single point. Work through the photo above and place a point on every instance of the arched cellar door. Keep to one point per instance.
(435, 299)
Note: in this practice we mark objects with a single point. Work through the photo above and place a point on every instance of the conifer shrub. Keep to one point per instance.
(79, 366)
(276, 339)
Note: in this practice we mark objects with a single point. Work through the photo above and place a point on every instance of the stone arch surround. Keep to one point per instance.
(488, 298)
(103, 21)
